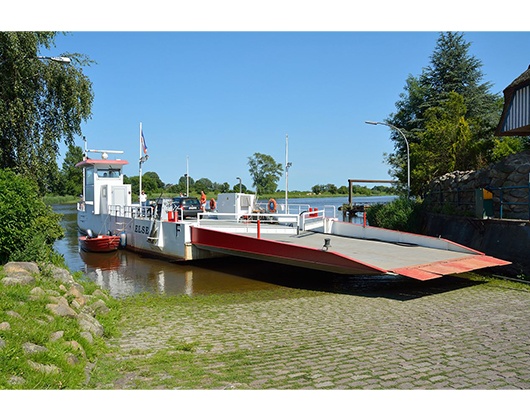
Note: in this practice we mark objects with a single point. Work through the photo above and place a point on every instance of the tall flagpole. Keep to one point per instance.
(140, 163)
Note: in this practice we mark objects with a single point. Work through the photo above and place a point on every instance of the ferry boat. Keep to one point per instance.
(240, 227)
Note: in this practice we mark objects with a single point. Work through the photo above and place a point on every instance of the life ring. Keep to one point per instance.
(213, 204)
(272, 205)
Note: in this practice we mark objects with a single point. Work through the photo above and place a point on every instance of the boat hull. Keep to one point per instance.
(101, 243)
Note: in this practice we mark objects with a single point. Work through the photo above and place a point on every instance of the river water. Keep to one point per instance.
(124, 273)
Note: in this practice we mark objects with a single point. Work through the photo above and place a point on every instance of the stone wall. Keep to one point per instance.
(508, 181)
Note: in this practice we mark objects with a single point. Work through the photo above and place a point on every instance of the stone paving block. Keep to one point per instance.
(472, 337)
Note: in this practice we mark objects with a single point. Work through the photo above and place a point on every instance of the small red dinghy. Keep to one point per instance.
(99, 243)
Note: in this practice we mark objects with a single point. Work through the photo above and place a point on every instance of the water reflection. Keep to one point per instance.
(125, 273)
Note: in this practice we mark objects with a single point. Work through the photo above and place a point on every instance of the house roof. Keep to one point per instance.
(515, 118)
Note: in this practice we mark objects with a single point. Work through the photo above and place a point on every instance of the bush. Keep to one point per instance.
(28, 227)
(401, 214)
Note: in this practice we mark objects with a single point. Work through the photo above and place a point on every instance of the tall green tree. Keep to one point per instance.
(42, 102)
(265, 173)
(445, 145)
(71, 178)
(428, 103)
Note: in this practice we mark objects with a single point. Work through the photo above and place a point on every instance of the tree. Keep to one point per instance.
(445, 145)
(152, 182)
(429, 98)
(71, 178)
(41, 102)
(265, 173)
(203, 184)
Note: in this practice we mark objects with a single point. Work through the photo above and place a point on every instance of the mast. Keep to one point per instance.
(85, 157)
(143, 158)
(140, 164)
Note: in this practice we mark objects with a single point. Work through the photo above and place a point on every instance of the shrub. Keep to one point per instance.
(401, 214)
(28, 227)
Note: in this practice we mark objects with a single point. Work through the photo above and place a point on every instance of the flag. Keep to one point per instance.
(142, 138)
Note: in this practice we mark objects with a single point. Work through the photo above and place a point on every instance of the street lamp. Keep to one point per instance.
(287, 166)
(64, 60)
(408, 150)
(239, 184)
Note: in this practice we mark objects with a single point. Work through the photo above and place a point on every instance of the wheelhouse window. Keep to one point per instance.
(89, 184)
(109, 173)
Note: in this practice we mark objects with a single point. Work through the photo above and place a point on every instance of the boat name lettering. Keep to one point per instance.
(141, 229)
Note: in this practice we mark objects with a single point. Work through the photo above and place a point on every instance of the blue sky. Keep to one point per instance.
(214, 98)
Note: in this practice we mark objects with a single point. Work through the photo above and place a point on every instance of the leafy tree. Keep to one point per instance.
(203, 184)
(505, 146)
(331, 188)
(28, 227)
(222, 188)
(445, 144)
(244, 188)
(152, 182)
(71, 178)
(41, 102)
(265, 173)
(429, 111)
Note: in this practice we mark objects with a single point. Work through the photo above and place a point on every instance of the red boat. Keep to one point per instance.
(100, 243)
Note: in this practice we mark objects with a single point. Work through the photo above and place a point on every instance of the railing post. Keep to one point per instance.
(500, 198)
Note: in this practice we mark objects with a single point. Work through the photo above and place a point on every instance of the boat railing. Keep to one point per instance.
(134, 211)
(267, 221)
(329, 210)
(312, 219)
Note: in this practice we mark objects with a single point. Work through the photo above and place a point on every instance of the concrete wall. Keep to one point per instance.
(505, 239)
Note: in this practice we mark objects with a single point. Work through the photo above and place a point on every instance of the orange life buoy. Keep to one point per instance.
(212, 204)
(272, 206)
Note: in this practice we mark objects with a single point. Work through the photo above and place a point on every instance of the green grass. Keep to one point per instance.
(31, 322)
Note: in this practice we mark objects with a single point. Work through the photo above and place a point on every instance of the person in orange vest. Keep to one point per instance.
(203, 201)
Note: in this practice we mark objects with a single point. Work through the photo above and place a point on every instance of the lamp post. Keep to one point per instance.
(64, 60)
(408, 149)
(187, 176)
(239, 184)
(287, 166)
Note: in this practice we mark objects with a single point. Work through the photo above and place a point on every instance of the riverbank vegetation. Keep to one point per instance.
(28, 227)
(402, 214)
(42, 347)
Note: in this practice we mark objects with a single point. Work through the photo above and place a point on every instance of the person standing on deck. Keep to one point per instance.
(203, 201)
(143, 198)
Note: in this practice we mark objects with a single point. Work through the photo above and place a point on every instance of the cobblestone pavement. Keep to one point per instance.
(448, 334)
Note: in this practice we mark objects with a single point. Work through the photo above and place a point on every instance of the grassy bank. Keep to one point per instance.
(58, 199)
(40, 349)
